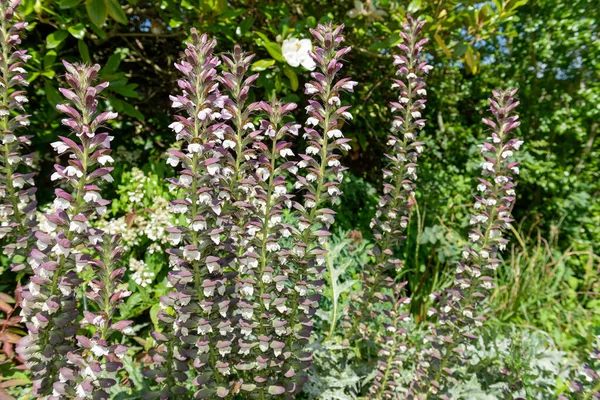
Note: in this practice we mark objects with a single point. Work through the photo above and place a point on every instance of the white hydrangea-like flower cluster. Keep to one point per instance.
(140, 273)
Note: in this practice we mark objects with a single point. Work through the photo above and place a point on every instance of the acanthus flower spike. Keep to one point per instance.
(100, 355)
(398, 199)
(17, 191)
(269, 319)
(321, 175)
(196, 312)
(49, 305)
(458, 308)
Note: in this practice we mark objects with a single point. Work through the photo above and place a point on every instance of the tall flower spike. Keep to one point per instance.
(196, 317)
(49, 300)
(238, 189)
(457, 310)
(100, 355)
(17, 193)
(323, 174)
(395, 204)
(264, 350)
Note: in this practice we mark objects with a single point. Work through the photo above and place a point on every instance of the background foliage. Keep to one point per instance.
(549, 49)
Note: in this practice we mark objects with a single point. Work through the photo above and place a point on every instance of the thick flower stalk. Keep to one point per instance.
(49, 300)
(238, 191)
(394, 207)
(197, 315)
(17, 193)
(263, 337)
(99, 357)
(323, 174)
(457, 311)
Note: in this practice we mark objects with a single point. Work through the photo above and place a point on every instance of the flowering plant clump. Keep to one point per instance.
(17, 190)
(457, 309)
(52, 350)
(245, 225)
(235, 187)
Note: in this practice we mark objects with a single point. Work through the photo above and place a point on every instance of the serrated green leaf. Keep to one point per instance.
(54, 39)
(261, 65)
(78, 31)
(97, 11)
(116, 11)
(289, 72)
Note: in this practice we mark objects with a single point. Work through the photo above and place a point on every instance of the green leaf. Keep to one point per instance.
(78, 31)
(274, 50)
(127, 90)
(272, 47)
(112, 64)
(175, 23)
(261, 65)
(97, 11)
(154, 310)
(54, 39)
(289, 72)
(116, 12)
(65, 4)
(84, 52)
(27, 7)
(49, 59)
(125, 107)
(246, 25)
(414, 6)
(460, 50)
(52, 94)
(98, 31)
(470, 60)
(442, 45)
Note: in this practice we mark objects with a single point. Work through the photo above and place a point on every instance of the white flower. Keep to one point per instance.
(286, 152)
(295, 51)
(177, 126)
(60, 147)
(334, 133)
(312, 121)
